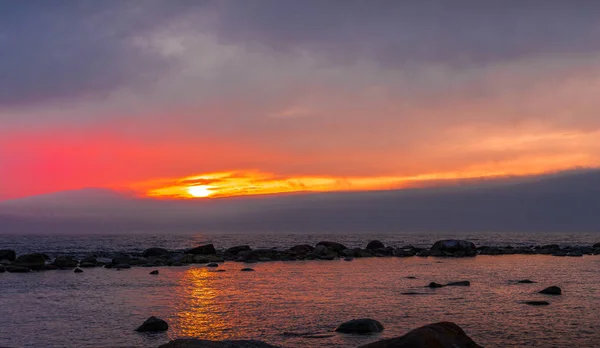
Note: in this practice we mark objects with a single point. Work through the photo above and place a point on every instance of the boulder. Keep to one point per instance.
(404, 252)
(434, 285)
(536, 303)
(78, 270)
(237, 249)
(438, 335)
(155, 272)
(7, 254)
(452, 247)
(321, 250)
(33, 261)
(337, 247)
(89, 259)
(302, 249)
(461, 283)
(153, 252)
(207, 249)
(576, 253)
(348, 259)
(375, 244)
(360, 326)
(65, 262)
(595, 246)
(153, 324)
(553, 290)
(247, 270)
(198, 343)
(525, 281)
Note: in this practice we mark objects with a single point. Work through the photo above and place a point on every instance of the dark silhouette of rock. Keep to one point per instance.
(2, 269)
(553, 290)
(360, 326)
(155, 272)
(153, 324)
(438, 335)
(434, 285)
(87, 264)
(151, 252)
(78, 270)
(537, 303)
(452, 247)
(404, 252)
(207, 249)
(375, 244)
(302, 249)
(348, 259)
(122, 266)
(89, 259)
(33, 261)
(597, 245)
(576, 253)
(247, 269)
(411, 277)
(237, 249)
(525, 281)
(7, 254)
(65, 261)
(337, 247)
(212, 264)
(461, 283)
(197, 343)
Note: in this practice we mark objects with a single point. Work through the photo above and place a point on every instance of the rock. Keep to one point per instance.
(455, 248)
(559, 253)
(423, 253)
(375, 244)
(7, 254)
(438, 335)
(153, 324)
(152, 252)
(348, 259)
(461, 283)
(207, 249)
(237, 249)
(65, 262)
(434, 285)
(360, 326)
(348, 252)
(321, 250)
(302, 249)
(198, 343)
(122, 259)
(155, 272)
(337, 247)
(404, 253)
(51, 267)
(576, 253)
(411, 277)
(537, 303)
(87, 264)
(553, 290)
(201, 258)
(212, 264)
(247, 269)
(78, 270)
(122, 266)
(2, 269)
(16, 269)
(89, 259)
(33, 261)
(525, 281)
(595, 246)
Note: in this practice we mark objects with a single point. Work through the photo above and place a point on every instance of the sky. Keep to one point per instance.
(182, 99)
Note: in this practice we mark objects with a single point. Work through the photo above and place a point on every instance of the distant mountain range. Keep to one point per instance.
(563, 202)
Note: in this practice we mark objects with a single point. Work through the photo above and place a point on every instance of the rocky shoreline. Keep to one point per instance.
(325, 250)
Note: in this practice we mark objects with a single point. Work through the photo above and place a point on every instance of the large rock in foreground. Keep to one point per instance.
(7, 254)
(153, 324)
(33, 261)
(360, 326)
(207, 249)
(337, 247)
(196, 343)
(452, 247)
(553, 290)
(438, 335)
(375, 244)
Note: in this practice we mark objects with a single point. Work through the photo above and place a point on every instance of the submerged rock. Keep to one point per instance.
(197, 343)
(207, 249)
(452, 247)
(152, 252)
(434, 285)
(33, 261)
(537, 303)
(360, 326)
(461, 283)
(153, 324)
(78, 270)
(526, 281)
(247, 269)
(337, 247)
(7, 254)
(155, 272)
(438, 335)
(553, 290)
(375, 244)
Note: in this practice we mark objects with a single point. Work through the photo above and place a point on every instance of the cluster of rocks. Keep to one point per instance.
(326, 250)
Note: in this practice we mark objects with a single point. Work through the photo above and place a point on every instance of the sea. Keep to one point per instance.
(300, 303)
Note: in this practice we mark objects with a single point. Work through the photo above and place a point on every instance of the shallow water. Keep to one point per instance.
(101, 307)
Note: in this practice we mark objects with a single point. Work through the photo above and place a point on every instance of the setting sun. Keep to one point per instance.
(199, 191)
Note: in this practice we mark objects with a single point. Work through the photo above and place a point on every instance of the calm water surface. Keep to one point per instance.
(101, 307)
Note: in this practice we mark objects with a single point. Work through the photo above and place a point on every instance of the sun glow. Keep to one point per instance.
(199, 191)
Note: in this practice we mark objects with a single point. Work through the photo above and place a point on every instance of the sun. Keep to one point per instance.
(199, 191)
